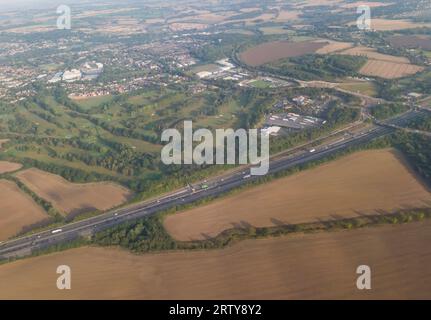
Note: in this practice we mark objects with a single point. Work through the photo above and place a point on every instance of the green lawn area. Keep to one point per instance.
(261, 84)
(362, 87)
(93, 101)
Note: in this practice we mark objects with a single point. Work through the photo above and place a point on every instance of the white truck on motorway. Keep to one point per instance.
(56, 231)
(312, 150)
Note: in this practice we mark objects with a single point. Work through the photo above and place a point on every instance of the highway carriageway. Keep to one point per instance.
(26, 245)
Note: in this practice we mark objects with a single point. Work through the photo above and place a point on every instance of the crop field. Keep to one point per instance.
(372, 53)
(362, 183)
(334, 46)
(277, 50)
(371, 4)
(17, 210)
(390, 25)
(303, 266)
(422, 42)
(6, 166)
(383, 65)
(73, 198)
(389, 70)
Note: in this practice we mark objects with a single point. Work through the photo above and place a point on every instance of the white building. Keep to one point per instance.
(72, 75)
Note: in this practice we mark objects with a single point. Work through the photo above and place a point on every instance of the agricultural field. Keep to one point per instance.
(372, 53)
(6, 166)
(333, 47)
(423, 42)
(277, 50)
(17, 210)
(303, 266)
(371, 4)
(70, 198)
(389, 70)
(367, 182)
(383, 65)
(393, 25)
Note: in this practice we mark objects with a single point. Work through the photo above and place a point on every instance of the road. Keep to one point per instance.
(24, 246)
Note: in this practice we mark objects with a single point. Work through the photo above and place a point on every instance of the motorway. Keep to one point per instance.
(26, 245)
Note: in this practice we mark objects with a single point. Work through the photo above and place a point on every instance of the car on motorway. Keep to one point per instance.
(56, 231)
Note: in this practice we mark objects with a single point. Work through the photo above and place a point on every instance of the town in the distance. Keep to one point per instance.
(340, 90)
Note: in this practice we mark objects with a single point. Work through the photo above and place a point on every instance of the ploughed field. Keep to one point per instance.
(6, 166)
(73, 198)
(17, 210)
(302, 266)
(366, 182)
(423, 42)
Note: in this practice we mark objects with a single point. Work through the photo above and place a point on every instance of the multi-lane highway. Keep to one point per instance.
(25, 245)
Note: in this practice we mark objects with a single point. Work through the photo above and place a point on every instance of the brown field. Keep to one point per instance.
(366, 3)
(334, 46)
(389, 70)
(383, 65)
(362, 183)
(389, 25)
(17, 210)
(310, 3)
(372, 53)
(287, 15)
(72, 198)
(2, 142)
(312, 266)
(276, 50)
(422, 42)
(6, 166)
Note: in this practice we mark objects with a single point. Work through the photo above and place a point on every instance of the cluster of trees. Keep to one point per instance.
(127, 161)
(423, 124)
(385, 111)
(313, 66)
(417, 149)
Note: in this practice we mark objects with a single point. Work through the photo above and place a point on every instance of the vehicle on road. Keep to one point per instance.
(56, 231)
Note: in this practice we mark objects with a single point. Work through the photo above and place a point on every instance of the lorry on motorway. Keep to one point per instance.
(312, 150)
(247, 176)
(56, 231)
